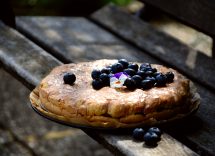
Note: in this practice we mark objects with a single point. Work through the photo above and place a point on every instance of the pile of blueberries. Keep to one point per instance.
(143, 77)
(150, 136)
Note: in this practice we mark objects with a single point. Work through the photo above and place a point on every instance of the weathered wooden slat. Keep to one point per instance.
(124, 143)
(25, 60)
(197, 13)
(121, 144)
(168, 49)
(77, 31)
(202, 10)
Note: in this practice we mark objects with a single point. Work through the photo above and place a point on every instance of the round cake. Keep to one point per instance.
(82, 105)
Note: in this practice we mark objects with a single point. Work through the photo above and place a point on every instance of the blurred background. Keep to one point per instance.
(163, 22)
(22, 131)
(61, 7)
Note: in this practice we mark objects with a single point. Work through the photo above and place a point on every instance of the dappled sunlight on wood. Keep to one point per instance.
(83, 36)
(61, 134)
(131, 147)
(191, 59)
(53, 34)
(160, 49)
(186, 34)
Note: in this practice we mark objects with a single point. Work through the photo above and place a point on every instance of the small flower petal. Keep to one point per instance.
(116, 84)
(122, 78)
(113, 79)
(117, 80)
(117, 75)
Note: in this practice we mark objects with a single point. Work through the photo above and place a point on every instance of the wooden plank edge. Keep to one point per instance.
(10, 64)
(20, 74)
(44, 46)
(184, 13)
(123, 144)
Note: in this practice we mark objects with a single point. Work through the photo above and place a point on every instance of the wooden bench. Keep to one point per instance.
(199, 14)
(41, 43)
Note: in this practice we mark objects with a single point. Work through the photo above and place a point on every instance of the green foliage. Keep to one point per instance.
(118, 2)
(61, 7)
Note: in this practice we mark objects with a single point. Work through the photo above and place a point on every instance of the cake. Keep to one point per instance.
(81, 105)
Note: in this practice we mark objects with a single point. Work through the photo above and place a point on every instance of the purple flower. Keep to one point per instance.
(117, 80)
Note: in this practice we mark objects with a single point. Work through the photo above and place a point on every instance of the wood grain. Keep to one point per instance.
(197, 13)
(120, 145)
(47, 32)
(158, 44)
(25, 60)
(123, 142)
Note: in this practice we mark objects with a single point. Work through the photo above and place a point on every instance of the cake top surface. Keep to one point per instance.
(108, 101)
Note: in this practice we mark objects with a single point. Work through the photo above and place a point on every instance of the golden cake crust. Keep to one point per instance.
(80, 104)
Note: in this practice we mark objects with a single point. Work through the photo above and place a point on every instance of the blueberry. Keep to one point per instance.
(137, 79)
(154, 70)
(145, 65)
(133, 66)
(151, 79)
(97, 84)
(106, 70)
(156, 73)
(130, 72)
(147, 84)
(105, 79)
(95, 74)
(138, 134)
(130, 84)
(141, 73)
(151, 138)
(155, 130)
(69, 78)
(116, 68)
(169, 77)
(124, 62)
(146, 69)
(160, 80)
(149, 73)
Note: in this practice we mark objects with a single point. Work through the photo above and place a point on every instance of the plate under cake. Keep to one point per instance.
(81, 105)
